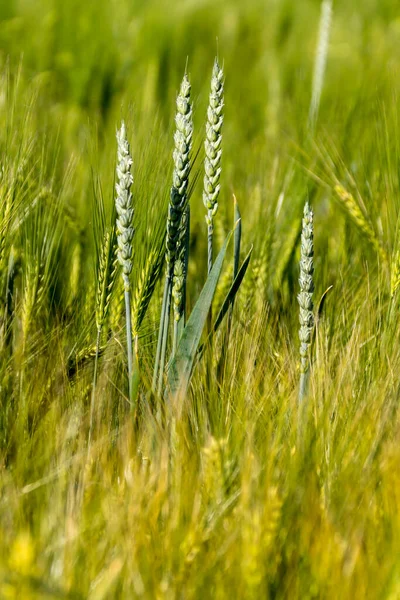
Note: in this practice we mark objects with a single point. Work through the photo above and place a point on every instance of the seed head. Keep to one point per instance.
(123, 203)
(180, 267)
(180, 178)
(306, 282)
(213, 142)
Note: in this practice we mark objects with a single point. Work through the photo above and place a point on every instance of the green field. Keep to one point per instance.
(231, 488)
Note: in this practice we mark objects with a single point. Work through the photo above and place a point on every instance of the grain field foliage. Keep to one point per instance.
(216, 492)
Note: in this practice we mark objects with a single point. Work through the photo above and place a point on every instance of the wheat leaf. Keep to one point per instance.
(229, 298)
(181, 366)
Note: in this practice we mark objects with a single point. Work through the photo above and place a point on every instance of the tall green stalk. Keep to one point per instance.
(125, 231)
(180, 278)
(93, 396)
(105, 275)
(178, 201)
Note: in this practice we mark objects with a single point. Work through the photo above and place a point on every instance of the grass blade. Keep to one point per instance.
(230, 297)
(182, 364)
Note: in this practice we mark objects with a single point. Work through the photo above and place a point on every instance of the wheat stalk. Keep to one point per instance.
(305, 297)
(180, 276)
(213, 151)
(106, 276)
(178, 200)
(395, 273)
(145, 287)
(9, 301)
(6, 211)
(124, 207)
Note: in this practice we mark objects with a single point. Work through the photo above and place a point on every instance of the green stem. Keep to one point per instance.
(186, 267)
(129, 343)
(176, 337)
(160, 336)
(210, 242)
(179, 326)
(302, 406)
(165, 335)
(92, 401)
(304, 378)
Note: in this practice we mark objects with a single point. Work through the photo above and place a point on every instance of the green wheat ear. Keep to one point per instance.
(361, 221)
(180, 277)
(212, 161)
(106, 275)
(123, 204)
(124, 207)
(395, 273)
(305, 297)
(145, 286)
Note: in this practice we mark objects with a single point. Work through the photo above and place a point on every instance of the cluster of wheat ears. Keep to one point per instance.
(171, 377)
(185, 412)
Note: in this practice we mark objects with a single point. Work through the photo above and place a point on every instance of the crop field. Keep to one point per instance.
(199, 296)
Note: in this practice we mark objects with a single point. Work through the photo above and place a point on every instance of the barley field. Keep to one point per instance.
(199, 290)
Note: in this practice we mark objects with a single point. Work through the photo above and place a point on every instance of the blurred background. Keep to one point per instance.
(91, 58)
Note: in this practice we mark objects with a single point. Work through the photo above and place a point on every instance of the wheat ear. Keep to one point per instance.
(305, 297)
(395, 273)
(106, 275)
(124, 207)
(180, 276)
(362, 222)
(146, 284)
(178, 200)
(213, 151)
(320, 60)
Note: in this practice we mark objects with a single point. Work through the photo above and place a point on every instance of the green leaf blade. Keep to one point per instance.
(180, 369)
